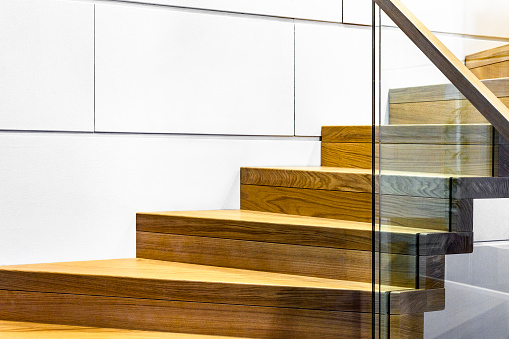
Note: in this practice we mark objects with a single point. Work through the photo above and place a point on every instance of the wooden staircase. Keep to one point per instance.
(296, 260)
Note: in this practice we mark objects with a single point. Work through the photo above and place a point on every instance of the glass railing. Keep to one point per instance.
(440, 270)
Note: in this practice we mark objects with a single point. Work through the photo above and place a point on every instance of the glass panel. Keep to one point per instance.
(436, 158)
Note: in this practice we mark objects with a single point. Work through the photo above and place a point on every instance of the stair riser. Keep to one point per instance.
(490, 64)
(424, 158)
(399, 270)
(419, 212)
(497, 70)
(175, 316)
(189, 291)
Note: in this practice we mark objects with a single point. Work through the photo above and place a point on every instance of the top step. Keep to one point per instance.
(490, 64)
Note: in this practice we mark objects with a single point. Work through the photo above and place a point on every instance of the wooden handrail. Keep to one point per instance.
(460, 76)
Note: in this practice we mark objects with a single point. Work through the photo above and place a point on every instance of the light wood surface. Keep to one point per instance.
(487, 57)
(411, 134)
(430, 185)
(150, 279)
(468, 84)
(323, 178)
(28, 330)
(160, 280)
(415, 212)
(448, 159)
(289, 259)
(347, 155)
(443, 92)
(307, 202)
(498, 70)
(178, 316)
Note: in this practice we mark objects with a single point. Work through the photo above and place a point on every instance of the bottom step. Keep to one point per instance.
(150, 295)
(26, 330)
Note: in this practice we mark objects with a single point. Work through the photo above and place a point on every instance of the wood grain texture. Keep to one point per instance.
(307, 202)
(445, 243)
(177, 316)
(431, 272)
(469, 85)
(431, 158)
(408, 326)
(347, 155)
(355, 134)
(299, 230)
(323, 178)
(264, 227)
(490, 56)
(28, 330)
(405, 211)
(501, 161)
(480, 188)
(149, 279)
(411, 134)
(417, 301)
(310, 261)
(498, 70)
(191, 283)
(445, 112)
(443, 92)
(462, 215)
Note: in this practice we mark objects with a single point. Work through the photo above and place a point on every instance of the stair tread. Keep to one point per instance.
(28, 330)
(138, 268)
(144, 279)
(361, 171)
(289, 220)
(415, 184)
(295, 230)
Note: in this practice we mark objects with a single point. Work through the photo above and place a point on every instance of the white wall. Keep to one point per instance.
(192, 72)
(323, 10)
(474, 17)
(46, 65)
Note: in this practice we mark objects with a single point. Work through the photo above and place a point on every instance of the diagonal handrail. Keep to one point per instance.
(460, 76)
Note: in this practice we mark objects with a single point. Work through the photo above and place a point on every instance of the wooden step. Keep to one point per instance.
(448, 149)
(418, 200)
(448, 106)
(490, 64)
(28, 330)
(141, 294)
(277, 228)
(332, 249)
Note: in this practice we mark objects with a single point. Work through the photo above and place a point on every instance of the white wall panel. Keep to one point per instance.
(491, 219)
(171, 71)
(74, 197)
(46, 65)
(332, 76)
(323, 10)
